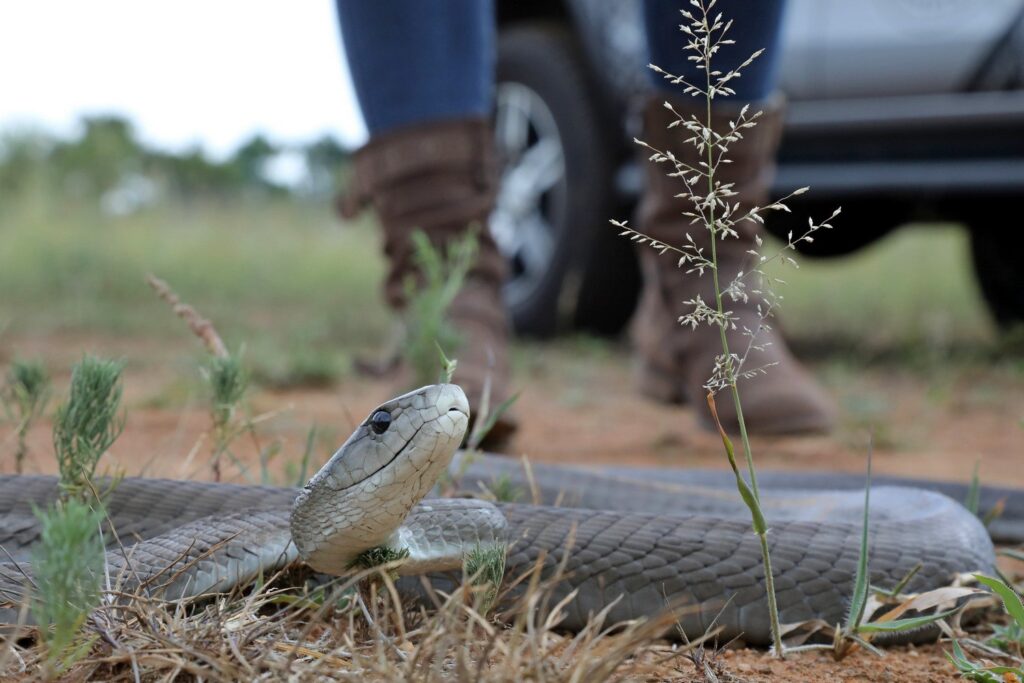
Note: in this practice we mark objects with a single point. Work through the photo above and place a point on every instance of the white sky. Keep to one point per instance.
(188, 71)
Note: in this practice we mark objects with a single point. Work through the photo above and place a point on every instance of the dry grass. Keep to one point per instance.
(354, 630)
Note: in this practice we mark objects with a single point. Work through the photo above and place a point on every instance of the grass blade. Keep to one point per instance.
(1010, 598)
(860, 585)
(972, 501)
(897, 625)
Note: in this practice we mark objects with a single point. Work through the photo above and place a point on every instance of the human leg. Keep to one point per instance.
(756, 24)
(418, 61)
(675, 362)
(423, 73)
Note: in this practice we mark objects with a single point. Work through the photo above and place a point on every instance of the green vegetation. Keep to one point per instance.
(107, 162)
(278, 274)
(24, 397)
(227, 380)
(377, 557)
(67, 566)
(426, 323)
(86, 426)
(303, 292)
(1009, 639)
(856, 629)
(503, 490)
(484, 568)
(711, 209)
(910, 292)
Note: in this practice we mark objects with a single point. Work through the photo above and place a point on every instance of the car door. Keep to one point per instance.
(858, 48)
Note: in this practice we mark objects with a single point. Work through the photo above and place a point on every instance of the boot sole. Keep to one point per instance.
(657, 384)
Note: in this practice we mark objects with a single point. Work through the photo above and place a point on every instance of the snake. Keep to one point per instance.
(627, 541)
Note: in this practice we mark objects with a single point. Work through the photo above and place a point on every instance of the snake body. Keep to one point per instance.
(635, 540)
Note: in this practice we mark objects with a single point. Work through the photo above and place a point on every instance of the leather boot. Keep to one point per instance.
(441, 177)
(675, 362)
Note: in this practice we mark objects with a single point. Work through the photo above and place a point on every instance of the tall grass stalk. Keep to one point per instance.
(224, 373)
(711, 209)
(25, 395)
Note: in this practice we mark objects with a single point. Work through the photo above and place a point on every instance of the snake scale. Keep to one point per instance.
(631, 538)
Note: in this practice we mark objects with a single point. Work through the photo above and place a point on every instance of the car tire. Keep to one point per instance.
(546, 60)
(610, 281)
(995, 253)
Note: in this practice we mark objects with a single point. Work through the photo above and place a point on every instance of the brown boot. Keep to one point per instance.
(676, 361)
(441, 178)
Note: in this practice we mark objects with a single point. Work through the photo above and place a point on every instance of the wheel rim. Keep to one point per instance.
(529, 210)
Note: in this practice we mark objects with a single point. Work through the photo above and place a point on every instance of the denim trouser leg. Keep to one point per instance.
(756, 24)
(419, 61)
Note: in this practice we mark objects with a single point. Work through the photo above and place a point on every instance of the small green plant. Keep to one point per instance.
(448, 366)
(89, 423)
(872, 601)
(224, 373)
(378, 556)
(68, 561)
(228, 381)
(442, 274)
(67, 565)
(504, 490)
(1007, 638)
(24, 396)
(856, 630)
(973, 500)
(484, 567)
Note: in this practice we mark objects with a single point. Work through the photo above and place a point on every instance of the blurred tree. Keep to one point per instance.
(251, 158)
(191, 174)
(325, 158)
(102, 157)
(23, 155)
(108, 160)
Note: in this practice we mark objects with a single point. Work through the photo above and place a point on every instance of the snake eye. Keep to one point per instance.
(380, 421)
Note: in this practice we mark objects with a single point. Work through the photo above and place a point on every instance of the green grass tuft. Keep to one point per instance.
(67, 565)
(228, 381)
(375, 557)
(24, 397)
(504, 490)
(484, 566)
(89, 423)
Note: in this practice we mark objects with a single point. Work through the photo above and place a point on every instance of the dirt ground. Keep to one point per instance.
(577, 406)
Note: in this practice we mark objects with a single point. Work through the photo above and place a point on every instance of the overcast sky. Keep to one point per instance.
(212, 71)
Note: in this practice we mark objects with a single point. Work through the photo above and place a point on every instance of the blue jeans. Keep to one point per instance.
(414, 61)
(756, 24)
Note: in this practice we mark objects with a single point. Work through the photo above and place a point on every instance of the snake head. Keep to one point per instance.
(364, 492)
